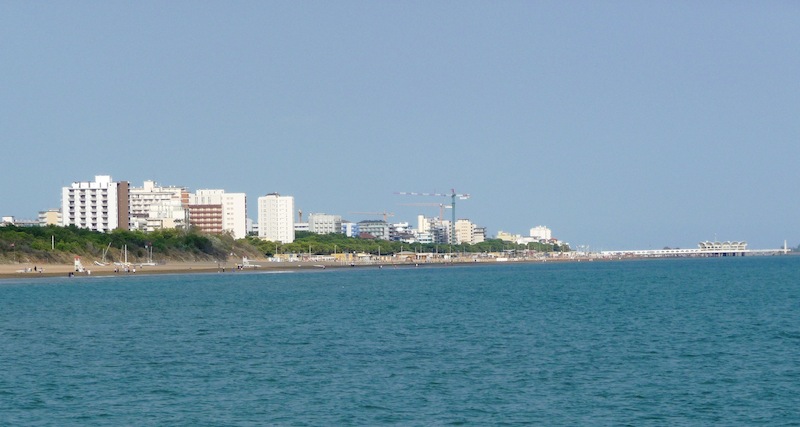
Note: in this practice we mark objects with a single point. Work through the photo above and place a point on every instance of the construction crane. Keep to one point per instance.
(452, 197)
(441, 206)
(385, 214)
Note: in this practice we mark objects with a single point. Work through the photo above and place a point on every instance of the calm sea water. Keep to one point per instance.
(665, 342)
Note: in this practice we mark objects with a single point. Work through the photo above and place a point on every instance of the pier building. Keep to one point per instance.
(704, 249)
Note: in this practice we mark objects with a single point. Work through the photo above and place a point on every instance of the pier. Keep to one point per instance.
(704, 249)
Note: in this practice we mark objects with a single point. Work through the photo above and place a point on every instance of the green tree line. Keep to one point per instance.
(60, 244)
(326, 244)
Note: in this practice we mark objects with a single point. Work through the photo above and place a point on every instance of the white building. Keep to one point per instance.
(541, 233)
(100, 205)
(402, 227)
(214, 211)
(276, 218)
(434, 229)
(154, 207)
(424, 237)
(321, 223)
(350, 229)
(165, 215)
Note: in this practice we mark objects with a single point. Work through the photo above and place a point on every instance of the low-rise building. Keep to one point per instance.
(376, 228)
(321, 223)
(508, 237)
(350, 229)
(50, 217)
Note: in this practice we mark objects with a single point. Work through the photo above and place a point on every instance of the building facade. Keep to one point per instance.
(207, 218)
(100, 205)
(50, 217)
(350, 229)
(276, 218)
(321, 223)
(478, 235)
(215, 211)
(432, 230)
(508, 237)
(153, 207)
(464, 230)
(541, 232)
(376, 228)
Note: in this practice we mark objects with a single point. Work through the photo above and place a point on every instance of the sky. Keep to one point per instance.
(618, 125)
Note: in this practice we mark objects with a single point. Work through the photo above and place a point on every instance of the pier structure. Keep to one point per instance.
(704, 249)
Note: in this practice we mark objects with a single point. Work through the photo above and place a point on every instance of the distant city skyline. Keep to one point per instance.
(621, 125)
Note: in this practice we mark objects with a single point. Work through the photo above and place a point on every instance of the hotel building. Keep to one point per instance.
(153, 207)
(100, 205)
(215, 211)
(276, 218)
(50, 217)
(321, 223)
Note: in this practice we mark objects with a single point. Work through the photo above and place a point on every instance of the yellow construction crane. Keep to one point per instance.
(385, 214)
(452, 197)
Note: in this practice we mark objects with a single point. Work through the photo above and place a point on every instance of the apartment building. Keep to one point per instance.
(50, 217)
(215, 211)
(321, 223)
(378, 229)
(541, 232)
(100, 205)
(155, 207)
(276, 218)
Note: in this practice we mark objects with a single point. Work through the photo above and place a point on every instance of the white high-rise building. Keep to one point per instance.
(214, 211)
(100, 205)
(541, 233)
(276, 218)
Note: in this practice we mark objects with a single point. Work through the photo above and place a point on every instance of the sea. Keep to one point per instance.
(713, 341)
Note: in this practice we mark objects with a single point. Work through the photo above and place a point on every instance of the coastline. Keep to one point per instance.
(26, 270)
(20, 271)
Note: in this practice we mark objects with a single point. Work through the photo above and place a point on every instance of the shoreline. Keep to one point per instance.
(26, 270)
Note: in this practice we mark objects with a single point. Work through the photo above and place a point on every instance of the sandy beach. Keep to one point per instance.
(29, 270)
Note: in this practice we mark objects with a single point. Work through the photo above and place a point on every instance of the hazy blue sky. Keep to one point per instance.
(617, 124)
